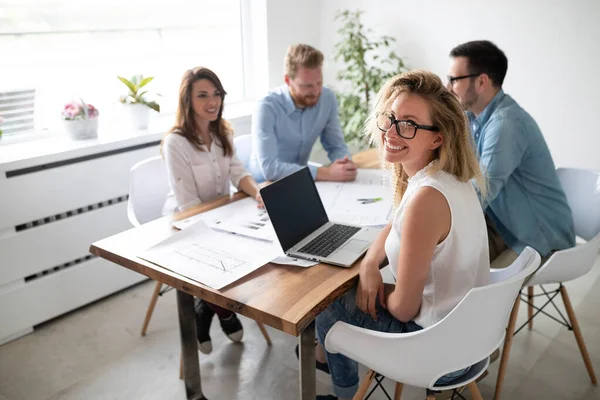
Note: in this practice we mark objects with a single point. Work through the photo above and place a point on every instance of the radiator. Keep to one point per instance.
(50, 213)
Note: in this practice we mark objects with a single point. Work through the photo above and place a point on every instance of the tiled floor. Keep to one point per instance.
(97, 353)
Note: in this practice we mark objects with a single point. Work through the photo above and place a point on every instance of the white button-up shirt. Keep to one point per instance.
(197, 176)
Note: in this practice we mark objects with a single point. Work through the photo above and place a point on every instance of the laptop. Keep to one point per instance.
(303, 228)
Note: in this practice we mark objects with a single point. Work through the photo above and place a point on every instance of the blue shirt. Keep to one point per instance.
(525, 199)
(283, 135)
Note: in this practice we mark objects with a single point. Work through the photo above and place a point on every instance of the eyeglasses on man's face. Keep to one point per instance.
(404, 127)
(452, 79)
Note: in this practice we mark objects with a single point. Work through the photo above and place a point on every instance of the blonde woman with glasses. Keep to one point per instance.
(436, 244)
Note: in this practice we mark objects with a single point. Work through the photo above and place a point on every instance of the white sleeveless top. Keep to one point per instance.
(461, 261)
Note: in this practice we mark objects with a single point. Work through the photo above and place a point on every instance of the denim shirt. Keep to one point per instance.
(283, 135)
(525, 200)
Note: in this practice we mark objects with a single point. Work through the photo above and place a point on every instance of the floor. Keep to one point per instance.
(97, 353)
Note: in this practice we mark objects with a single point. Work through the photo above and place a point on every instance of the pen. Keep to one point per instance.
(368, 201)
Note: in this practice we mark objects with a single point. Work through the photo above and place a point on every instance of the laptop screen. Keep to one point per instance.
(294, 207)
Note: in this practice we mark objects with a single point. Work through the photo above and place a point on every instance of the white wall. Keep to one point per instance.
(289, 22)
(553, 47)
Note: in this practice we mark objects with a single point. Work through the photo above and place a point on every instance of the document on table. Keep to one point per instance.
(215, 213)
(211, 257)
(342, 199)
(242, 217)
(245, 219)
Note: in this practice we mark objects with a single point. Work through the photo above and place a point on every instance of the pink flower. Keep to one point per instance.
(79, 111)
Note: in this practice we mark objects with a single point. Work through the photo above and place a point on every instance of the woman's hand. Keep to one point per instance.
(370, 286)
(259, 200)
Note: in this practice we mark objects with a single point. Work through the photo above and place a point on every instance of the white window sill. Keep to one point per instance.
(44, 147)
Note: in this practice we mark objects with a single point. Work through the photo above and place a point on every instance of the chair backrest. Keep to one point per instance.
(477, 325)
(243, 148)
(148, 189)
(467, 335)
(582, 188)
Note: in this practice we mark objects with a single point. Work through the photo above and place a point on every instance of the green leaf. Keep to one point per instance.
(129, 84)
(145, 81)
(153, 105)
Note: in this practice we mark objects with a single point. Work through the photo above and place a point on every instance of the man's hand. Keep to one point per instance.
(343, 170)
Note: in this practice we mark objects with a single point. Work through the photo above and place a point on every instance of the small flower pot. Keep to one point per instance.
(139, 114)
(80, 129)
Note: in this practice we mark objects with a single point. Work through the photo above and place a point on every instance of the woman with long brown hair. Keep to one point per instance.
(201, 162)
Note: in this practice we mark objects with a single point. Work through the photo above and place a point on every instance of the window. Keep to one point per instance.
(64, 50)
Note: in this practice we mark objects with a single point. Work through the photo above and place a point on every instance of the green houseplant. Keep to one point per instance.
(366, 67)
(136, 100)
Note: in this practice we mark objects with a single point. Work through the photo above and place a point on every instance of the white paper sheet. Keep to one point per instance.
(219, 212)
(340, 199)
(244, 218)
(211, 257)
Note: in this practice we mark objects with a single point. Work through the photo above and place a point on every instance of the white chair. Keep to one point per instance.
(243, 148)
(582, 188)
(465, 337)
(148, 189)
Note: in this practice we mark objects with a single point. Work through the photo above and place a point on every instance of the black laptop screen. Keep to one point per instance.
(294, 207)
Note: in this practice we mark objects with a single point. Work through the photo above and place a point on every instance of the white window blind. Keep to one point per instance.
(63, 50)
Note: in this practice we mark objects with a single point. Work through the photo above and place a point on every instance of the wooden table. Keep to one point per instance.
(284, 297)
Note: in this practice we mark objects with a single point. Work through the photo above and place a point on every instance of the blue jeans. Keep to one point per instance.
(344, 371)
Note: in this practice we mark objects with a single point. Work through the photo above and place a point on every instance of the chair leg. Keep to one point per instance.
(364, 386)
(578, 335)
(475, 393)
(398, 390)
(180, 366)
(151, 307)
(264, 332)
(510, 330)
(530, 306)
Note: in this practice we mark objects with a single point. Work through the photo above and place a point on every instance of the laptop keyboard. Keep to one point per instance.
(328, 241)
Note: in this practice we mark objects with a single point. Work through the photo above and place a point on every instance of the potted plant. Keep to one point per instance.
(80, 120)
(136, 102)
(1, 121)
(365, 69)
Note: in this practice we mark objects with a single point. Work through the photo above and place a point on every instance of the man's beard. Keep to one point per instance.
(309, 101)
(304, 101)
(470, 98)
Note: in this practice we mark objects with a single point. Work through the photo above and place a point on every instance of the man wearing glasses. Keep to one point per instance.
(288, 121)
(525, 204)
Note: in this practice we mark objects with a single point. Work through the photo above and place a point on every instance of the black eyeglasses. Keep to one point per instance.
(405, 128)
(452, 79)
